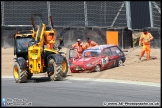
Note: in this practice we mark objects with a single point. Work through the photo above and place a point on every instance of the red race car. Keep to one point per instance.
(96, 58)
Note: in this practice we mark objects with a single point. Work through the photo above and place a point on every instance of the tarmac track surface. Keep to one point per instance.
(42, 92)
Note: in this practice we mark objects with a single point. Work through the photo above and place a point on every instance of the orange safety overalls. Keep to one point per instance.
(145, 41)
(50, 41)
(91, 44)
(79, 48)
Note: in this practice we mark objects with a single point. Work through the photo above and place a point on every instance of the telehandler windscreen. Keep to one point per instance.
(22, 44)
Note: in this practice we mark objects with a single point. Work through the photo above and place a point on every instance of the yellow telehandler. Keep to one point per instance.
(33, 58)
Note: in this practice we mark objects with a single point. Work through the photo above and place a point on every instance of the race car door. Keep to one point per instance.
(107, 61)
(114, 54)
(72, 55)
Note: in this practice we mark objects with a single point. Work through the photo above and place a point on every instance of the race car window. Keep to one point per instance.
(106, 52)
(95, 54)
(115, 50)
(87, 54)
(91, 53)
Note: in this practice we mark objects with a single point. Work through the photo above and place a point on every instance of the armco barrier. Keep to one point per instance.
(71, 34)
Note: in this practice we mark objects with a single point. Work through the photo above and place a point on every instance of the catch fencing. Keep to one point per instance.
(65, 13)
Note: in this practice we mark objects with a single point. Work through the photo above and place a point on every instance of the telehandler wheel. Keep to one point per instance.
(64, 68)
(20, 75)
(29, 75)
(55, 70)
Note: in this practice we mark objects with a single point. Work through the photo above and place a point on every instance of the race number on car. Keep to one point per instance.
(105, 60)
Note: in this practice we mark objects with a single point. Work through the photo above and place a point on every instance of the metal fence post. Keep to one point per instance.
(151, 17)
(128, 14)
(85, 13)
(49, 12)
(2, 13)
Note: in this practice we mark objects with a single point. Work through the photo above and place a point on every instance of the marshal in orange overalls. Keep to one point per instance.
(50, 41)
(79, 46)
(144, 40)
(90, 43)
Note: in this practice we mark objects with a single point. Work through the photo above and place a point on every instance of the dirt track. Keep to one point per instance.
(133, 69)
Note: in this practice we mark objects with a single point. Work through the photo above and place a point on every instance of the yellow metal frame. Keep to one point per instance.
(49, 50)
(35, 51)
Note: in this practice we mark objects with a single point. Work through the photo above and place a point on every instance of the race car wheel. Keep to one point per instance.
(120, 62)
(98, 68)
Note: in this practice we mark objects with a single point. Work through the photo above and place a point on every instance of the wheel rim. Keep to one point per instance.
(120, 63)
(97, 68)
(63, 66)
(16, 73)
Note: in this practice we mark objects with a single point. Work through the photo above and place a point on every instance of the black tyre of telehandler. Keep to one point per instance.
(29, 75)
(55, 74)
(64, 68)
(20, 75)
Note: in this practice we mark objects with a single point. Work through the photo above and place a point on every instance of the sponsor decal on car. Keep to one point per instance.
(85, 59)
